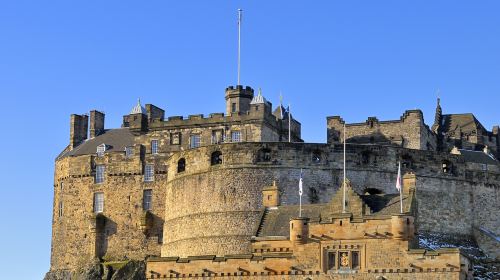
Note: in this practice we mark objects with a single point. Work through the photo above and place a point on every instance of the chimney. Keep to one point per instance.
(96, 123)
(409, 183)
(79, 125)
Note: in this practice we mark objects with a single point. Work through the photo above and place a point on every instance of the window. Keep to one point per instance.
(484, 167)
(316, 157)
(101, 149)
(233, 107)
(149, 173)
(129, 151)
(194, 141)
(331, 261)
(99, 173)
(175, 138)
(147, 198)
(61, 186)
(355, 260)
(217, 136)
(264, 155)
(236, 136)
(216, 158)
(181, 165)
(154, 147)
(98, 202)
(60, 209)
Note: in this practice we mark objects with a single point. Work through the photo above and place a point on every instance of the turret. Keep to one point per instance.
(299, 230)
(270, 196)
(79, 125)
(438, 118)
(238, 99)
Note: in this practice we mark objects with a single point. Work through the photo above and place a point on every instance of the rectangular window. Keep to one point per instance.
(62, 186)
(98, 202)
(236, 136)
(154, 147)
(175, 138)
(147, 199)
(217, 136)
(233, 107)
(149, 173)
(331, 261)
(355, 259)
(129, 151)
(60, 209)
(99, 173)
(194, 141)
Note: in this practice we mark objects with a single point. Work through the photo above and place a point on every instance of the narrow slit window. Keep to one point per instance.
(60, 209)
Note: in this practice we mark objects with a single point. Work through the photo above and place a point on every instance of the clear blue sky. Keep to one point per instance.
(351, 58)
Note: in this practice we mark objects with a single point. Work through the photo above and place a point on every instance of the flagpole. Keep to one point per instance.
(289, 124)
(400, 188)
(240, 11)
(300, 194)
(343, 184)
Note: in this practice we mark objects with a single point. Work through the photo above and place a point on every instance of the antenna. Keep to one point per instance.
(240, 13)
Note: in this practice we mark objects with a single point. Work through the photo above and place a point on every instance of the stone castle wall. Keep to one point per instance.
(214, 209)
(409, 132)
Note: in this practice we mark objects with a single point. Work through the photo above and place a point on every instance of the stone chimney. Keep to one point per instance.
(96, 123)
(79, 125)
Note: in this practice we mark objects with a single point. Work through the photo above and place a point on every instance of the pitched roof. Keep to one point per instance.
(275, 222)
(115, 139)
(478, 157)
(465, 123)
(258, 99)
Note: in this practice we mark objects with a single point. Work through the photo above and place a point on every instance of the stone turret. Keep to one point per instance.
(299, 230)
(270, 196)
(238, 99)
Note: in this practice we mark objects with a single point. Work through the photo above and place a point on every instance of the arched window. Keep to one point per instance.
(181, 165)
(216, 158)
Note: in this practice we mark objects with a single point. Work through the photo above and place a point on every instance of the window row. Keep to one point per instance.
(98, 202)
(100, 173)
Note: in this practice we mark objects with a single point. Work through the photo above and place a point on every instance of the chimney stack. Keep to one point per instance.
(79, 125)
(96, 123)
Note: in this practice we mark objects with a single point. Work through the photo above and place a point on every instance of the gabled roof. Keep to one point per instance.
(115, 140)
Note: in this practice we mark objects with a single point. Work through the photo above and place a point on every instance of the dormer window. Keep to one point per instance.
(101, 149)
(129, 151)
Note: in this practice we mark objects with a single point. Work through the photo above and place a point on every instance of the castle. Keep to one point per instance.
(217, 196)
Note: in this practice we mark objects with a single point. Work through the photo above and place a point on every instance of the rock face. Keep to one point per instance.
(133, 270)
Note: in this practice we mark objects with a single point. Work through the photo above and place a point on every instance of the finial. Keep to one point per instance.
(281, 98)
(260, 91)
(438, 93)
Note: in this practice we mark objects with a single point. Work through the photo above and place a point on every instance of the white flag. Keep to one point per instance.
(300, 183)
(398, 182)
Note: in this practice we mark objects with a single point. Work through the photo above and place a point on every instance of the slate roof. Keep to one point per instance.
(465, 122)
(115, 139)
(276, 221)
(478, 157)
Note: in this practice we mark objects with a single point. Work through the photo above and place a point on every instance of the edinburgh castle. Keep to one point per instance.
(216, 197)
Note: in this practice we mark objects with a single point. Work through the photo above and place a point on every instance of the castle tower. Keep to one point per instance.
(238, 99)
(299, 230)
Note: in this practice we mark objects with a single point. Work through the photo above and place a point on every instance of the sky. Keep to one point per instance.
(350, 58)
